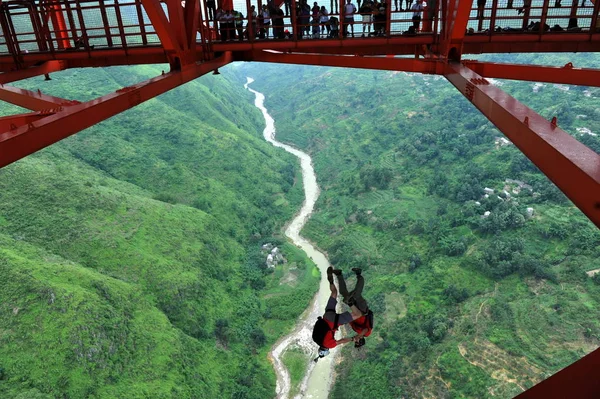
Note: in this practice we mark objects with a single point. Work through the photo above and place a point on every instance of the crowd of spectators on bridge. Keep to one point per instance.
(366, 18)
(316, 21)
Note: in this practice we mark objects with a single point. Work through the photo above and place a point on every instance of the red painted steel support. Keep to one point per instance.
(120, 24)
(572, 166)
(594, 26)
(138, 10)
(533, 73)
(8, 39)
(295, 27)
(107, 31)
(454, 27)
(428, 66)
(47, 67)
(14, 121)
(192, 12)
(31, 100)
(59, 24)
(579, 380)
(36, 23)
(18, 143)
(544, 15)
(388, 18)
(164, 29)
(177, 22)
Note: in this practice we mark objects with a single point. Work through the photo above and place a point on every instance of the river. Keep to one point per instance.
(317, 381)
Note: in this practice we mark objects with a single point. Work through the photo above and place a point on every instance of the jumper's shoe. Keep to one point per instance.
(357, 270)
(330, 274)
(337, 272)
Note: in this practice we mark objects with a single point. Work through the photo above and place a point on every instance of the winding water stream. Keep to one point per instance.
(318, 378)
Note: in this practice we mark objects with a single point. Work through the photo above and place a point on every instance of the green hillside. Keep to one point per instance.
(130, 252)
(466, 306)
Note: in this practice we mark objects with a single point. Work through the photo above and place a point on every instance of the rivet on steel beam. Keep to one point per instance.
(30, 126)
(554, 121)
(526, 121)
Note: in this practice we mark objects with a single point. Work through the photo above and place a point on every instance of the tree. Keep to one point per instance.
(456, 295)
(415, 262)
(222, 331)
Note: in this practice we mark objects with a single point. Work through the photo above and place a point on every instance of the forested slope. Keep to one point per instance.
(130, 252)
(474, 297)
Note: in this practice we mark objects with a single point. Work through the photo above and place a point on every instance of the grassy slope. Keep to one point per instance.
(501, 334)
(126, 249)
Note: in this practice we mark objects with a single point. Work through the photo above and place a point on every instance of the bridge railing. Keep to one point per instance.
(533, 16)
(74, 25)
(86, 25)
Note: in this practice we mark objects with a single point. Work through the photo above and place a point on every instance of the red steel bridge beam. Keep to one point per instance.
(58, 22)
(455, 19)
(533, 73)
(31, 100)
(27, 139)
(426, 66)
(579, 380)
(47, 67)
(168, 34)
(14, 121)
(177, 33)
(98, 58)
(572, 166)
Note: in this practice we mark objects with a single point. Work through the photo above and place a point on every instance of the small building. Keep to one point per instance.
(267, 246)
(270, 261)
(501, 142)
(486, 214)
(530, 212)
(488, 190)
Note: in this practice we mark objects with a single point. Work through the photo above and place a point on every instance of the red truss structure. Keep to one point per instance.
(196, 37)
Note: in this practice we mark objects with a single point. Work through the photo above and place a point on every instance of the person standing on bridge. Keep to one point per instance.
(211, 10)
(288, 8)
(324, 19)
(366, 13)
(326, 326)
(349, 11)
(266, 17)
(334, 3)
(417, 9)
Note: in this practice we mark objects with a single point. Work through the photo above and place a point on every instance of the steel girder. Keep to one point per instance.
(67, 120)
(572, 166)
(567, 74)
(32, 100)
(20, 74)
(579, 380)
(426, 66)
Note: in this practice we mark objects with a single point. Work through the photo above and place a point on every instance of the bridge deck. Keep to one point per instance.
(32, 32)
